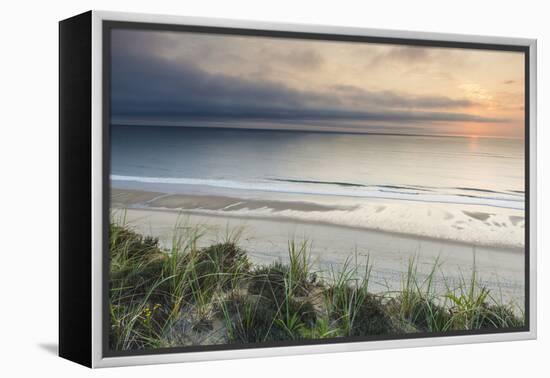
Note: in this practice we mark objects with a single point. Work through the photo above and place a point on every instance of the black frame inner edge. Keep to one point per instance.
(108, 26)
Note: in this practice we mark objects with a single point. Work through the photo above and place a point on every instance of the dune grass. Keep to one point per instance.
(191, 295)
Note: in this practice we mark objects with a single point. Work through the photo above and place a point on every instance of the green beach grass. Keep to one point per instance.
(191, 295)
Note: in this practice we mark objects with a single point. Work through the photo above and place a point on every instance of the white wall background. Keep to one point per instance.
(28, 156)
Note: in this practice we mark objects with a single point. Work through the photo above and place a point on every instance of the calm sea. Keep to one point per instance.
(464, 170)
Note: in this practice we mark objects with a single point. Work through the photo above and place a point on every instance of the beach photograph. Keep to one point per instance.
(279, 191)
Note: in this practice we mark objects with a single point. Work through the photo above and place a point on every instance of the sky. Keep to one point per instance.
(195, 79)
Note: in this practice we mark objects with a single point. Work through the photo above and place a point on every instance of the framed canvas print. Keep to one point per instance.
(236, 189)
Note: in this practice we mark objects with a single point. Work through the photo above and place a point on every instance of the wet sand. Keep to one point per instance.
(125, 198)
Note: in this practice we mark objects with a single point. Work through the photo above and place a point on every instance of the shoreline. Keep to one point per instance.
(213, 205)
(174, 201)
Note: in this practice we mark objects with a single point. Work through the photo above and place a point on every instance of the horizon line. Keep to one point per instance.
(319, 131)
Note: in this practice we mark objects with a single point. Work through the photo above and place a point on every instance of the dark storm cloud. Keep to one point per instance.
(147, 85)
(142, 84)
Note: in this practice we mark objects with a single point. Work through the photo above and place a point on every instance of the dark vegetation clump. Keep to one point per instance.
(132, 244)
(257, 318)
(496, 316)
(253, 320)
(371, 318)
(281, 302)
(136, 262)
(424, 314)
(219, 263)
(269, 281)
(358, 312)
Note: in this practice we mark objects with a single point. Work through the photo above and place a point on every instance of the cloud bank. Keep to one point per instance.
(147, 82)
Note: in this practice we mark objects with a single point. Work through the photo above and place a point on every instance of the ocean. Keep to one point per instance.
(465, 189)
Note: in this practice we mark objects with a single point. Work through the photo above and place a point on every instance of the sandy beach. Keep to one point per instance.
(266, 239)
